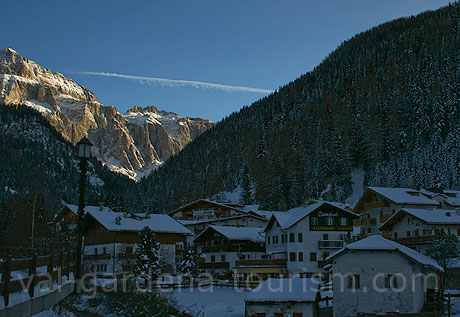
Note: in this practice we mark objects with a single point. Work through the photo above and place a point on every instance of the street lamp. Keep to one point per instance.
(84, 153)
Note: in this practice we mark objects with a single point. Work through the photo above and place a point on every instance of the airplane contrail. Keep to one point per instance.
(178, 82)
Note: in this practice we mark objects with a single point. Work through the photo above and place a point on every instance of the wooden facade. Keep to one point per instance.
(205, 209)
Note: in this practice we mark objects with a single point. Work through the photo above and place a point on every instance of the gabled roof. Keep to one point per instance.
(379, 243)
(426, 216)
(221, 205)
(292, 216)
(285, 290)
(237, 233)
(403, 196)
(74, 209)
(136, 222)
(195, 222)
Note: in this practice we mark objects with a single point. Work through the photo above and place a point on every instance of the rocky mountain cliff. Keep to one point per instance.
(133, 143)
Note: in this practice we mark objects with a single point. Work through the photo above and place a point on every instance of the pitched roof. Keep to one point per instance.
(238, 233)
(292, 216)
(137, 222)
(285, 290)
(427, 216)
(379, 243)
(222, 205)
(74, 208)
(194, 222)
(404, 196)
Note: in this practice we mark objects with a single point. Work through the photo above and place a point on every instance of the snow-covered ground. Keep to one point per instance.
(211, 301)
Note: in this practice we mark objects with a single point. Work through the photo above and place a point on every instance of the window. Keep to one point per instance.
(325, 236)
(353, 281)
(458, 232)
(312, 256)
(105, 250)
(95, 251)
(261, 315)
(268, 240)
(282, 239)
(275, 239)
(222, 258)
(408, 234)
(395, 235)
(391, 281)
(278, 315)
(330, 221)
(314, 221)
(297, 315)
(325, 254)
(416, 233)
(300, 238)
(300, 256)
(213, 258)
(408, 221)
(292, 256)
(343, 221)
(292, 237)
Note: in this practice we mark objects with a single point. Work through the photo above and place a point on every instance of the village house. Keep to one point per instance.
(111, 238)
(246, 220)
(223, 246)
(378, 204)
(418, 228)
(295, 297)
(204, 209)
(67, 217)
(379, 276)
(299, 240)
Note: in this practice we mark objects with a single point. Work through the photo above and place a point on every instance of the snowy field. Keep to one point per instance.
(212, 301)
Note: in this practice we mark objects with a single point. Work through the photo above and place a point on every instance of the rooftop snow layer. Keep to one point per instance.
(74, 208)
(379, 243)
(404, 196)
(285, 290)
(137, 222)
(239, 233)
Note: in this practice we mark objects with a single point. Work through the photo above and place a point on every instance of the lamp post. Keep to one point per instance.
(84, 153)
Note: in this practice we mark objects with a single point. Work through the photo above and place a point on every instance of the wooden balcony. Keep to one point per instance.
(263, 262)
(127, 256)
(215, 265)
(330, 244)
(384, 218)
(96, 257)
(365, 222)
(416, 240)
(374, 205)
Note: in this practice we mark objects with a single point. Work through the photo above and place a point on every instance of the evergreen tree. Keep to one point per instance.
(246, 196)
(190, 264)
(149, 262)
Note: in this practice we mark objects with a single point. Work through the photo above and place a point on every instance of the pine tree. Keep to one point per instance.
(190, 264)
(446, 251)
(149, 262)
(246, 196)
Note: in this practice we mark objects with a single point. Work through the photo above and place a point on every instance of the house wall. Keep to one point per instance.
(232, 257)
(286, 308)
(367, 299)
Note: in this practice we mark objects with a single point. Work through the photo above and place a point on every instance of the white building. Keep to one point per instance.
(223, 246)
(378, 204)
(377, 276)
(305, 236)
(111, 239)
(418, 228)
(295, 297)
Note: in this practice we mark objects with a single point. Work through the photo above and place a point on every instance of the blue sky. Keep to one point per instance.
(249, 43)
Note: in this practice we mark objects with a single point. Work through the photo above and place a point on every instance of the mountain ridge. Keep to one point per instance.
(134, 143)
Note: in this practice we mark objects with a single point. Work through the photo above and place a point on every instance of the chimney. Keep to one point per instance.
(125, 215)
(448, 213)
(147, 216)
(118, 220)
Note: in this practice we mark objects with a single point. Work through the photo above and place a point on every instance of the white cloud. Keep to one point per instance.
(178, 83)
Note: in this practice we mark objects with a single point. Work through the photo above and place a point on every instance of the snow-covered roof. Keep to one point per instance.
(194, 222)
(222, 205)
(74, 208)
(238, 233)
(379, 243)
(285, 290)
(404, 196)
(137, 222)
(292, 216)
(250, 207)
(428, 216)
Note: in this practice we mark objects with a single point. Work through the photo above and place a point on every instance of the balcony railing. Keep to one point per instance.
(416, 240)
(127, 256)
(262, 262)
(215, 265)
(330, 244)
(95, 257)
(233, 248)
(365, 222)
(374, 205)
